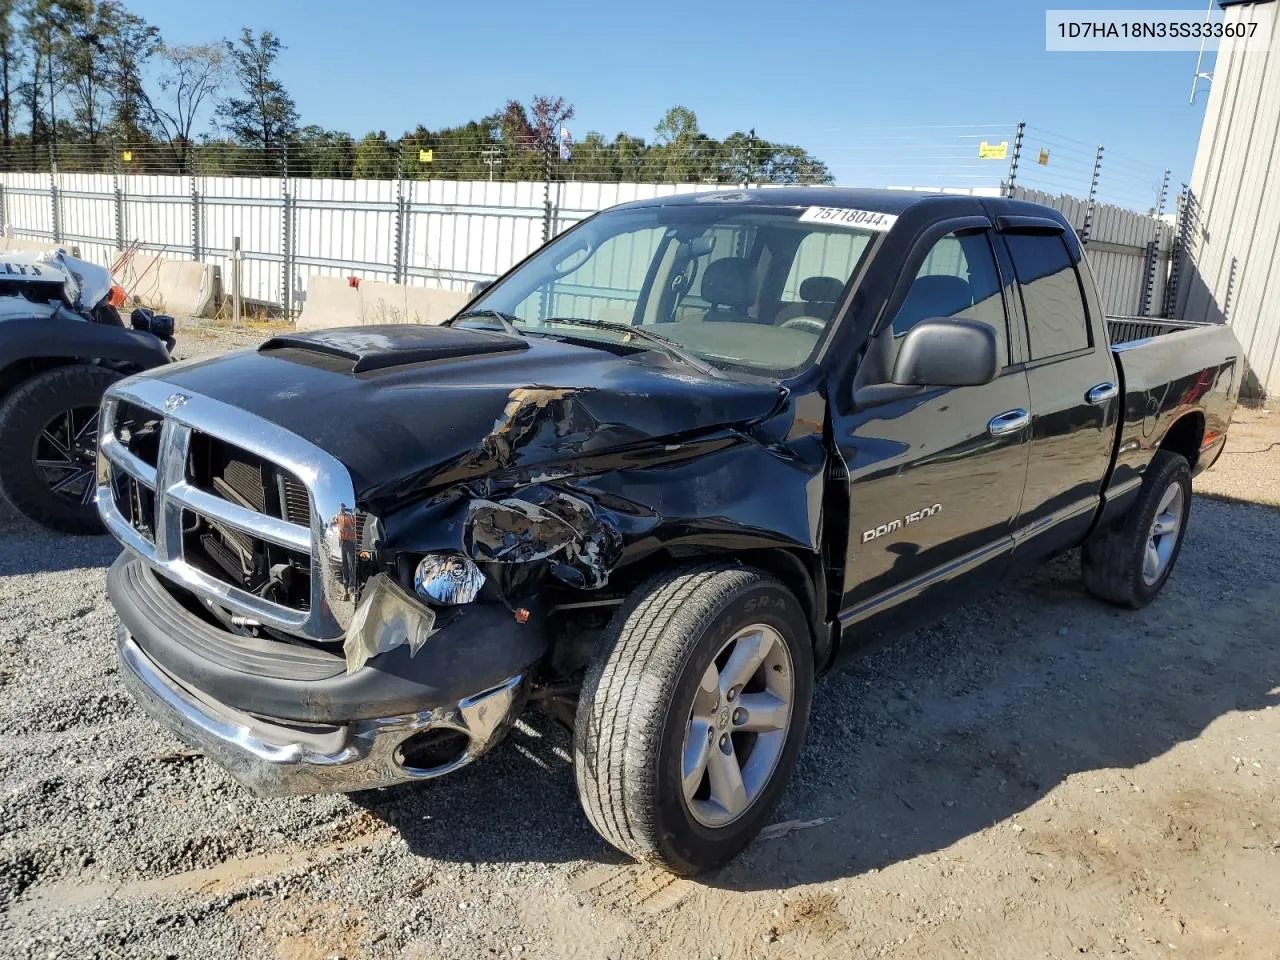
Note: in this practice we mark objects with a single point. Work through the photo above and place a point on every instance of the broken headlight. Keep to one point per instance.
(448, 578)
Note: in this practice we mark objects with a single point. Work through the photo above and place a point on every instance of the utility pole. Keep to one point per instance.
(492, 157)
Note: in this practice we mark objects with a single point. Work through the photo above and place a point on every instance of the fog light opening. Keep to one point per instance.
(432, 750)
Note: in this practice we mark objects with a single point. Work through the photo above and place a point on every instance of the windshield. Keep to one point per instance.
(737, 286)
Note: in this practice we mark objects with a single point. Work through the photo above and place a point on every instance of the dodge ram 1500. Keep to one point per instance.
(655, 478)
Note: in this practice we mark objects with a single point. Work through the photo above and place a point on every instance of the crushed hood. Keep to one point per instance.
(409, 411)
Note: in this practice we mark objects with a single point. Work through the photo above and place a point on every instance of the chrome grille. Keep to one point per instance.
(314, 490)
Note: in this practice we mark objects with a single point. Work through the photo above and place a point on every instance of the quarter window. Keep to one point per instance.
(957, 279)
(1052, 297)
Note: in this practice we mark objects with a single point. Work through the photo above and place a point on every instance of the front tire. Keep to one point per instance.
(692, 717)
(1129, 563)
(48, 447)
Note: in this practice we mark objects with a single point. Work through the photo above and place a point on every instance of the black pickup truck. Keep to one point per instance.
(653, 479)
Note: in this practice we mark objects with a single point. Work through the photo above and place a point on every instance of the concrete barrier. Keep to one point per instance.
(333, 302)
(36, 246)
(178, 287)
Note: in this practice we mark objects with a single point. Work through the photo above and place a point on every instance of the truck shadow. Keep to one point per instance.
(941, 732)
(28, 548)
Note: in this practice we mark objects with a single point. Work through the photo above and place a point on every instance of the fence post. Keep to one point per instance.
(236, 259)
(286, 238)
(195, 216)
(1093, 198)
(118, 195)
(54, 202)
(546, 187)
(1153, 251)
(1017, 156)
(4, 219)
(398, 251)
(1181, 233)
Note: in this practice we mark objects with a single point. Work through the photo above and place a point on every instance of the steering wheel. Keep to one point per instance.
(808, 324)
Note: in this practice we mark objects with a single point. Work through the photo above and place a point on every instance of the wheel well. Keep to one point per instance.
(1185, 437)
(800, 574)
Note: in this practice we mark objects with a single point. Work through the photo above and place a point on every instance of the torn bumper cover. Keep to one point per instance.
(274, 759)
(298, 722)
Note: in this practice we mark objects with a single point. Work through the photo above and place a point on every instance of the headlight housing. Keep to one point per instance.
(448, 578)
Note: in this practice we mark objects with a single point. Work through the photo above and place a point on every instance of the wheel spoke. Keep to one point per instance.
(760, 713)
(69, 480)
(1170, 495)
(57, 444)
(90, 492)
(1151, 563)
(90, 429)
(727, 789)
(697, 748)
(57, 465)
(1166, 524)
(748, 653)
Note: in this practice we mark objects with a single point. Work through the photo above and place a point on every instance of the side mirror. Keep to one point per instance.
(480, 286)
(947, 353)
(157, 324)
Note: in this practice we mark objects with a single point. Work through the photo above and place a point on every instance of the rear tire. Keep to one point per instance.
(48, 444)
(711, 665)
(1129, 563)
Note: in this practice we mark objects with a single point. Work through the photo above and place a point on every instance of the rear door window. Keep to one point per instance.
(1052, 297)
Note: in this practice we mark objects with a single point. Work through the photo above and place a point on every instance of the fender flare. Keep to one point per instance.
(69, 340)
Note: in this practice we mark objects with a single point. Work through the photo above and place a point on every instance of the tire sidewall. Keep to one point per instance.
(687, 840)
(26, 411)
(1177, 472)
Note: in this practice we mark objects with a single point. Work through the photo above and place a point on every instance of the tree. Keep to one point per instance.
(10, 63)
(683, 153)
(265, 115)
(130, 45)
(376, 157)
(82, 55)
(189, 77)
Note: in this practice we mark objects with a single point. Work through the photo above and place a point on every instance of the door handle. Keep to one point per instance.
(1009, 422)
(1102, 393)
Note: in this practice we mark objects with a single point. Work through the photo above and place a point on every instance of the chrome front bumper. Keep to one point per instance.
(275, 758)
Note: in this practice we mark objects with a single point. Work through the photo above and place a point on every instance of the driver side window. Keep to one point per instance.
(958, 278)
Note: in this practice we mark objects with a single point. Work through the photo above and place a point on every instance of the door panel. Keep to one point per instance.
(934, 458)
(1071, 435)
(934, 486)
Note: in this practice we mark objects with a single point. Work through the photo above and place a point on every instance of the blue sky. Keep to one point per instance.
(841, 78)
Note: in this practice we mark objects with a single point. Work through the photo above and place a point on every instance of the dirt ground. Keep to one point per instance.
(1037, 775)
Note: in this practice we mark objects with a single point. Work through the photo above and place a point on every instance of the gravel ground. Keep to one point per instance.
(1037, 775)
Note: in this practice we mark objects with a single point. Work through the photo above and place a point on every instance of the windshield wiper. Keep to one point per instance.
(666, 343)
(507, 320)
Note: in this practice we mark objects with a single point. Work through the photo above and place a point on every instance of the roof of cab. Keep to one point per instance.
(857, 198)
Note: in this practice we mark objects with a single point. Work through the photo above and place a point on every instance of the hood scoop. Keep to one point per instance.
(392, 345)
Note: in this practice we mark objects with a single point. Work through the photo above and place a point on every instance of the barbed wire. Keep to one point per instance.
(929, 155)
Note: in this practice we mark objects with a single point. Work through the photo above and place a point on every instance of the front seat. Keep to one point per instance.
(726, 286)
(819, 295)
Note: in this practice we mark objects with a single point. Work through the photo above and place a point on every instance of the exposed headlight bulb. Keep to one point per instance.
(448, 578)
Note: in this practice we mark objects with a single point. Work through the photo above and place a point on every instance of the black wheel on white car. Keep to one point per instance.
(691, 719)
(48, 447)
(1129, 563)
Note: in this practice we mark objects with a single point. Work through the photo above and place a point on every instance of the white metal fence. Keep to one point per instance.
(447, 234)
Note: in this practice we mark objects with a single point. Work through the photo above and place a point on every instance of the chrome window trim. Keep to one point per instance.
(328, 483)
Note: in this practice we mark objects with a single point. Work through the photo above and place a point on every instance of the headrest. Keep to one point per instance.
(933, 296)
(727, 282)
(821, 290)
